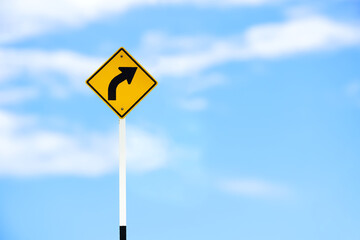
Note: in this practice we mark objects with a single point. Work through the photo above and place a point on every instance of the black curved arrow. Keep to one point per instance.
(127, 73)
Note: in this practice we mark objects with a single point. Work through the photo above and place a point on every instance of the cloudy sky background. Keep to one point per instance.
(252, 133)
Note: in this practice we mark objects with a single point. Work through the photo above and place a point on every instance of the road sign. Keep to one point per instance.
(121, 82)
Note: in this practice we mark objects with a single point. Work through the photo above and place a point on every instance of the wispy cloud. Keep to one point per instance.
(60, 71)
(194, 104)
(148, 151)
(27, 149)
(192, 59)
(204, 82)
(185, 58)
(352, 91)
(21, 18)
(13, 96)
(265, 41)
(253, 187)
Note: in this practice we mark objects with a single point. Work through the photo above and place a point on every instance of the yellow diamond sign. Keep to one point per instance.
(121, 82)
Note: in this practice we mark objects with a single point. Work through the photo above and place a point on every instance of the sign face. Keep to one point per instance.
(121, 82)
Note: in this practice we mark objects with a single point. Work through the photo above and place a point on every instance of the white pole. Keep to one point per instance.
(122, 179)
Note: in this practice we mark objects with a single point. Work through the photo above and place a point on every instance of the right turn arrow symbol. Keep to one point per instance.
(127, 73)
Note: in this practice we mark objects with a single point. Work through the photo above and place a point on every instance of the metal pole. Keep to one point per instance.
(122, 179)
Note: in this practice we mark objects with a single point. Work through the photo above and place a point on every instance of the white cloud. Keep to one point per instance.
(352, 91)
(194, 104)
(265, 41)
(26, 149)
(299, 35)
(60, 71)
(204, 82)
(22, 18)
(147, 151)
(17, 95)
(187, 58)
(300, 11)
(253, 188)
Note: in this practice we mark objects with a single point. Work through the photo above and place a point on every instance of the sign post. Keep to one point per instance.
(122, 179)
(121, 82)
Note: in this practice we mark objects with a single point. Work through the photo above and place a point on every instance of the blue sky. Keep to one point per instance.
(252, 132)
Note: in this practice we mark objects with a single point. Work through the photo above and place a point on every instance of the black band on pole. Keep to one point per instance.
(122, 232)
